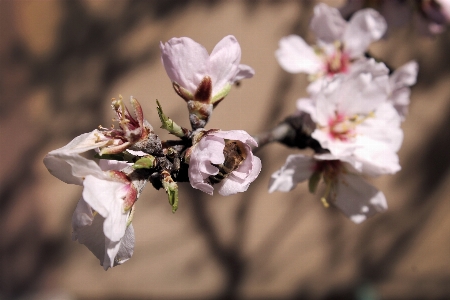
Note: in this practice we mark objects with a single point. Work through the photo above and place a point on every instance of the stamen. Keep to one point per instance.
(325, 202)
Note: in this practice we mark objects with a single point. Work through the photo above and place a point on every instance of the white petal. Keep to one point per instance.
(357, 199)
(82, 216)
(116, 253)
(107, 164)
(111, 249)
(71, 168)
(88, 230)
(366, 26)
(307, 106)
(297, 168)
(327, 23)
(233, 184)
(383, 127)
(106, 197)
(126, 246)
(400, 98)
(239, 135)
(224, 63)
(93, 238)
(185, 61)
(295, 56)
(67, 165)
(244, 71)
(406, 75)
(83, 143)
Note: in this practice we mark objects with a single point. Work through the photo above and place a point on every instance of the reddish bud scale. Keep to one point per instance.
(204, 90)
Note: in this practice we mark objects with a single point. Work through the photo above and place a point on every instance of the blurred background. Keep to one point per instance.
(62, 62)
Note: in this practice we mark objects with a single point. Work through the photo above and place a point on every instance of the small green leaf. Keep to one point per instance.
(220, 95)
(168, 124)
(146, 162)
(171, 188)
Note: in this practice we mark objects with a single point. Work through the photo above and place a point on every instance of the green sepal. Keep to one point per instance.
(168, 124)
(314, 182)
(171, 188)
(146, 162)
(221, 94)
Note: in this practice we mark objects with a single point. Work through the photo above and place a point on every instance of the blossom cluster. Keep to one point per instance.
(132, 154)
(357, 106)
(351, 119)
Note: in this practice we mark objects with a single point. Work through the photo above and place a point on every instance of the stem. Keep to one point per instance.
(277, 134)
(294, 131)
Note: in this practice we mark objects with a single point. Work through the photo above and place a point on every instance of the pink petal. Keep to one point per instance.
(239, 135)
(366, 26)
(185, 61)
(357, 199)
(327, 23)
(244, 71)
(295, 56)
(297, 168)
(232, 184)
(224, 63)
(106, 197)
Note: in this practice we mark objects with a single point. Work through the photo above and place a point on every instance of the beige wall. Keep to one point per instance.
(63, 61)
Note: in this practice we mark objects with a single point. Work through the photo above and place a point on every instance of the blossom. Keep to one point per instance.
(134, 131)
(428, 16)
(399, 86)
(107, 191)
(340, 44)
(88, 230)
(223, 158)
(344, 186)
(200, 76)
(437, 12)
(354, 118)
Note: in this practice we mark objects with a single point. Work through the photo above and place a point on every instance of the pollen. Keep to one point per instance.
(325, 202)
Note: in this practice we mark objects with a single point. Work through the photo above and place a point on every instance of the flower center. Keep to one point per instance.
(343, 128)
(337, 61)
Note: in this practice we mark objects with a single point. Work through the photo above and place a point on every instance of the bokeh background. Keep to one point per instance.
(62, 62)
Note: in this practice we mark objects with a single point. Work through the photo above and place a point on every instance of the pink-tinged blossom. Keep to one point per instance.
(437, 12)
(107, 191)
(428, 16)
(340, 44)
(199, 76)
(399, 86)
(344, 186)
(88, 230)
(133, 132)
(68, 165)
(208, 154)
(354, 118)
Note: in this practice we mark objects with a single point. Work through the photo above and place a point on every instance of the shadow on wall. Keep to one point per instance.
(83, 66)
(86, 51)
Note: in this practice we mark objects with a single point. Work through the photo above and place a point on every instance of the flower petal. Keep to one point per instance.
(233, 184)
(224, 63)
(366, 26)
(327, 23)
(244, 71)
(297, 168)
(67, 165)
(239, 135)
(107, 198)
(295, 56)
(357, 199)
(185, 61)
